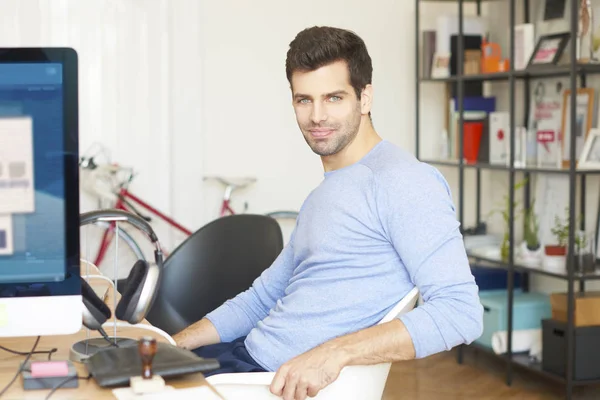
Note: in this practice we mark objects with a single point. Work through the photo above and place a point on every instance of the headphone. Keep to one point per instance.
(141, 285)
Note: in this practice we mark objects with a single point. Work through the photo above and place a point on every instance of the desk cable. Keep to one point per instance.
(64, 381)
(28, 356)
(21, 367)
(24, 353)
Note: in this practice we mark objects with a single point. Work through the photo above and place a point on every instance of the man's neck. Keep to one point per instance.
(362, 144)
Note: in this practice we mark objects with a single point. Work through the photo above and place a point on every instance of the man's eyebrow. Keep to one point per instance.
(301, 96)
(334, 93)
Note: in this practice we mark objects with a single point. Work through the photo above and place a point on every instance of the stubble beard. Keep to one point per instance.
(343, 135)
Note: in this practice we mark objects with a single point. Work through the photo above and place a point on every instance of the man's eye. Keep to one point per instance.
(303, 101)
(335, 98)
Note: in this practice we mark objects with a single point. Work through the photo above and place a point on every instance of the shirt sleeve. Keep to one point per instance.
(419, 219)
(238, 316)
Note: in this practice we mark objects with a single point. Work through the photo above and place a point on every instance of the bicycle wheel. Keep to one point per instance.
(113, 254)
(286, 220)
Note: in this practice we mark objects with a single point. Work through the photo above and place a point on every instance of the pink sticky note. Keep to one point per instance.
(41, 369)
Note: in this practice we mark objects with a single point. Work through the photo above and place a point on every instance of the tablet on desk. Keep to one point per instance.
(115, 366)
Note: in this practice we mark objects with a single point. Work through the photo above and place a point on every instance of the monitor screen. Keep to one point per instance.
(32, 190)
(40, 284)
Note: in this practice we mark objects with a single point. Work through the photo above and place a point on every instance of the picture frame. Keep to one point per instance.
(590, 155)
(585, 119)
(548, 50)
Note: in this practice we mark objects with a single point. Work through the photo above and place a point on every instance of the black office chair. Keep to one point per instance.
(214, 264)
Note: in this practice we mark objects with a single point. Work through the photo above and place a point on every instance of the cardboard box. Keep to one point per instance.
(586, 310)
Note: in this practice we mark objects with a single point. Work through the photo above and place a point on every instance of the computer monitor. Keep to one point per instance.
(40, 286)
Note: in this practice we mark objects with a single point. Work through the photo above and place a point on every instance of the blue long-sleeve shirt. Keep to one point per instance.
(365, 236)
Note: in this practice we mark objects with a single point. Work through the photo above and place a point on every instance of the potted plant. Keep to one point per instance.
(556, 252)
(561, 232)
(531, 249)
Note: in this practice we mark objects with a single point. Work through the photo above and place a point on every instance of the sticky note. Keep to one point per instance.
(43, 369)
(16, 165)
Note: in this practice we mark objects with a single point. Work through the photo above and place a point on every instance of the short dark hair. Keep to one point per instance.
(318, 46)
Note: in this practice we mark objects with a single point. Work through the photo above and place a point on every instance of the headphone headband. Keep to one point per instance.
(118, 215)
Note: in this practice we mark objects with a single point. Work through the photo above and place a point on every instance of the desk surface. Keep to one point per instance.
(88, 389)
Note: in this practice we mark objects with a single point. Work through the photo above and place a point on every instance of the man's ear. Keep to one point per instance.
(366, 99)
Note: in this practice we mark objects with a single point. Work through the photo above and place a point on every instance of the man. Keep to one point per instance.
(378, 224)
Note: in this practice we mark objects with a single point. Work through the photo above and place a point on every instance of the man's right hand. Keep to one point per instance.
(201, 333)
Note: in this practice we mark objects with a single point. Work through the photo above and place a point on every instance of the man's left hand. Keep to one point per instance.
(308, 373)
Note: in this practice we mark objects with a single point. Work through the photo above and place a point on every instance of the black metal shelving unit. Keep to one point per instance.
(574, 72)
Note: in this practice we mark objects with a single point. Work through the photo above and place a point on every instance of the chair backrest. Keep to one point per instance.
(405, 305)
(214, 264)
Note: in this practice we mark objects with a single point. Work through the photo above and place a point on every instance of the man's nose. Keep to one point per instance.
(319, 113)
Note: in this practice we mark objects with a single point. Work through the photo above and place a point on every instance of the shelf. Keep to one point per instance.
(537, 270)
(523, 361)
(453, 163)
(538, 72)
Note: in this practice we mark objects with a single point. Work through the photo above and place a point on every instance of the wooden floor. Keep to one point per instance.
(481, 376)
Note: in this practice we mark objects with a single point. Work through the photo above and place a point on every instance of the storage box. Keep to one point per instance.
(587, 308)
(529, 309)
(586, 348)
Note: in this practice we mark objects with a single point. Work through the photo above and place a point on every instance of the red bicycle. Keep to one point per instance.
(109, 183)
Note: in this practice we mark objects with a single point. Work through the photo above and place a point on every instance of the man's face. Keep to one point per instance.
(327, 109)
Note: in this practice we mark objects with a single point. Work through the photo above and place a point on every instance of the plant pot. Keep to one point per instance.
(555, 258)
(555, 250)
(528, 256)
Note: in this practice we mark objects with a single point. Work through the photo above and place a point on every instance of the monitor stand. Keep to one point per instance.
(86, 348)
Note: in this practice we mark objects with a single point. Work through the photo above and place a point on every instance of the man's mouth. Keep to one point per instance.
(321, 132)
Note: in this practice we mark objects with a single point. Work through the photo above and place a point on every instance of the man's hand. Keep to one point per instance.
(314, 370)
(308, 373)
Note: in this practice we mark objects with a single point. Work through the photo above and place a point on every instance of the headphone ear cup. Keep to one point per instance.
(95, 311)
(130, 298)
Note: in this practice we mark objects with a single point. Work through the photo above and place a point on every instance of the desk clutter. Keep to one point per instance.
(137, 370)
(540, 325)
(118, 366)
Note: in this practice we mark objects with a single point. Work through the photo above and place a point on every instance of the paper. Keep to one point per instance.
(6, 235)
(194, 393)
(16, 165)
(3, 315)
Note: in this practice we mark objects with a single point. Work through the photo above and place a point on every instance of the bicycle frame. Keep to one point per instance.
(226, 208)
